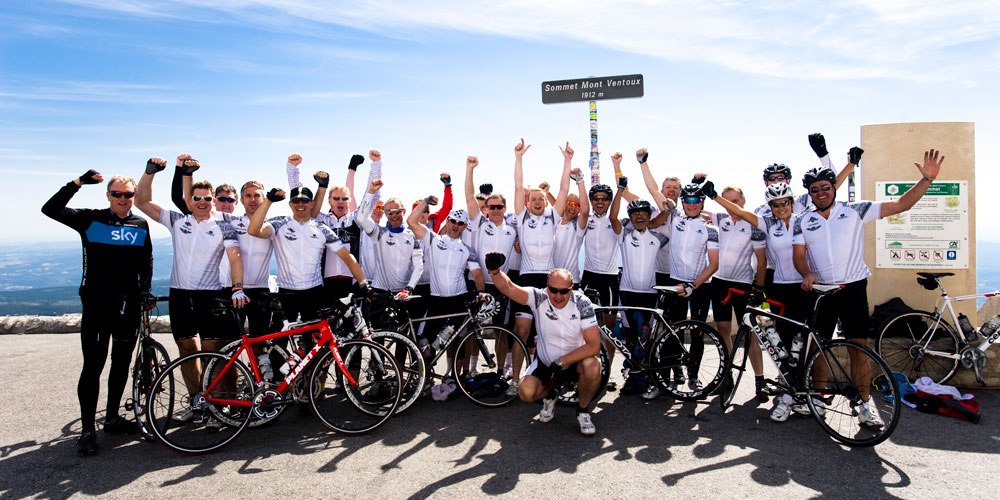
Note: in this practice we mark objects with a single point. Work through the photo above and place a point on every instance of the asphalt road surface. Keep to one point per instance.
(456, 449)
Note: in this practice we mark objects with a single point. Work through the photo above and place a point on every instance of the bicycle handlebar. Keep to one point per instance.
(737, 291)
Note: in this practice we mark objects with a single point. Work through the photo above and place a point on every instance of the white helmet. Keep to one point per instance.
(489, 308)
(778, 191)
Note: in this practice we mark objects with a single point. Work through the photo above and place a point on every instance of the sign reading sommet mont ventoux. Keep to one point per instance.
(592, 89)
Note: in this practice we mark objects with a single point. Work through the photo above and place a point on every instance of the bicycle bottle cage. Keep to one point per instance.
(928, 283)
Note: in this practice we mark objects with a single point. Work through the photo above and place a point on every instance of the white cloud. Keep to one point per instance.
(308, 97)
(82, 91)
(847, 39)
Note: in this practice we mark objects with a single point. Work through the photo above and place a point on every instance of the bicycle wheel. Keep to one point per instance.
(901, 344)
(195, 420)
(568, 395)
(262, 413)
(736, 366)
(151, 360)
(691, 350)
(411, 361)
(363, 406)
(853, 394)
(488, 382)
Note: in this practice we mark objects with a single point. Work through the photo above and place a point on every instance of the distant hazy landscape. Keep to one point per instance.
(43, 279)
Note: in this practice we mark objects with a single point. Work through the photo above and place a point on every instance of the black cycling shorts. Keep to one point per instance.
(205, 313)
(737, 303)
(605, 284)
(534, 280)
(114, 316)
(850, 306)
(551, 375)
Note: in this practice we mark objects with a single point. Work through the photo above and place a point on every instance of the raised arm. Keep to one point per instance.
(616, 205)
(734, 210)
(567, 153)
(413, 220)
(519, 151)
(56, 209)
(929, 170)
(471, 204)
(577, 176)
(364, 215)
(447, 201)
(144, 191)
(494, 261)
(352, 170)
(818, 144)
(375, 173)
(642, 156)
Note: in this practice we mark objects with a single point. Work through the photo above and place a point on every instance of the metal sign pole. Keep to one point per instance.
(595, 158)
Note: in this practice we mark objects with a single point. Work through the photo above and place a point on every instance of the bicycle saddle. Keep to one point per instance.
(826, 289)
(667, 289)
(935, 275)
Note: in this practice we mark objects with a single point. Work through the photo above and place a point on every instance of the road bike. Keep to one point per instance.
(481, 352)
(924, 344)
(150, 359)
(690, 345)
(833, 378)
(203, 401)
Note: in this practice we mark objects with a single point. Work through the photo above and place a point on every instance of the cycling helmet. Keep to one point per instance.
(488, 309)
(778, 191)
(818, 174)
(601, 188)
(640, 206)
(777, 168)
(692, 191)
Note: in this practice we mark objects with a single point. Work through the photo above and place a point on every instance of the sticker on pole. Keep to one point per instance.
(592, 89)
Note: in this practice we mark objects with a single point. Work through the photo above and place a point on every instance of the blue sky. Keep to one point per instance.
(729, 88)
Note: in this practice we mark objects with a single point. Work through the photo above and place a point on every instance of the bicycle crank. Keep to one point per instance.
(973, 357)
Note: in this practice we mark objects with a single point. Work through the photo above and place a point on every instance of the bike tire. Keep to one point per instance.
(841, 395)
(202, 432)
(410, 359)
(900, 344)
(491, 385)
(151, 360)
(677, 347)
(362, 407)
(262, 414)
(736, 366)
(568, 395)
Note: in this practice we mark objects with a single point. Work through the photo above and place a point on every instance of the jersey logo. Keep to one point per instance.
(210, 232)
(778, 233)
(551, 314)
(532, 223)
(812, 218)
(116, 235)
(813, 227)
(572, 316)
(186, 227)
(725, 228)
(490, 231)
(313, 236)
(634, 242)
(390, 241)
(842, 216)
(591, 226)
(679, 226)
(699, 231)
(441, 245)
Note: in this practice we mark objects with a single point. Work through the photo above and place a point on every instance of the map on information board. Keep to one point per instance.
(934, 234)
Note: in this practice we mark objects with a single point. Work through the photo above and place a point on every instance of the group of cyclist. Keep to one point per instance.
(530, 256)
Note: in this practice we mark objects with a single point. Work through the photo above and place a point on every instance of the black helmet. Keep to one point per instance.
(692, 191)
(777, 168)
(639, 206)
(818, 174)
(601, 188)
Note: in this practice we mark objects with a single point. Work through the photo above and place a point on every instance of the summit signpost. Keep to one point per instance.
(593, 89)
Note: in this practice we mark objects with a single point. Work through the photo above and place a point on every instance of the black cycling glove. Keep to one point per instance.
(90, 177)
(622, 182)
(642, 158)
(323, 181)
(189, 166)
(818, 143)
(708, 189)
(854, 155)
(355, 161)
(446, 179)
(152, 167)
(486, 188)
(494, 261)
(274, 196)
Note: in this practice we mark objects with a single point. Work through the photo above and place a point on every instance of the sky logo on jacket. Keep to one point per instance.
(116, 235)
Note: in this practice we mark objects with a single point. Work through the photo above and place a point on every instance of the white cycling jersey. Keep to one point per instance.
(600, 246)
(537, 235)
(399, 261)
(255, 252)
(348, 232)
(835, 245)
(198, 249)
(298, 248)
(560, 331)
(639, 249)
(690, 240)
(663, 256)
(566, 251)
(489, 238)
(779, 248)
(447, 259)
(737, 242)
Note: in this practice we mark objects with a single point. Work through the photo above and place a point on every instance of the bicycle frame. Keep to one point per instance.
(640, 366)
(944, 302)
(326, 338)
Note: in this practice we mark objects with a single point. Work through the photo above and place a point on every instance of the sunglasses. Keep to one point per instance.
(255, 184)
(495, 207)
(779, 204)
(343, 198)
(299, 201)
(118, 194)
(824, 187)
(692, 201)
(600, 198)
(395, 211)
(201, 198)
(572, 204)
(225, 199)
(775, 178)
(456, 222)
(379, 207)
(559, 291)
